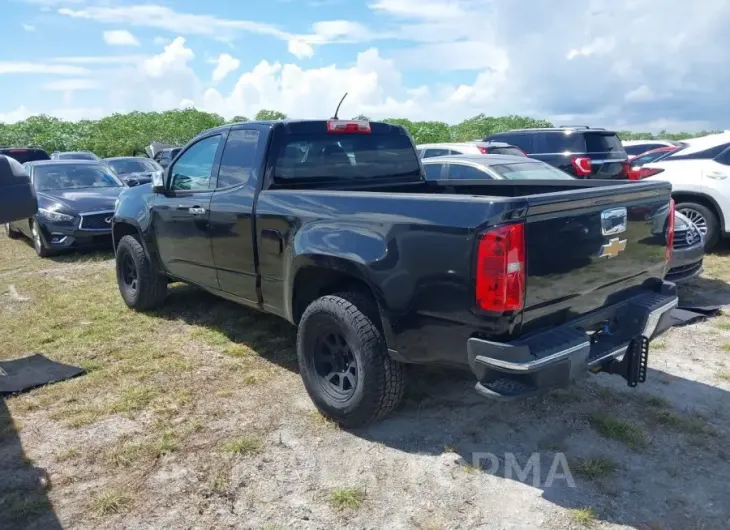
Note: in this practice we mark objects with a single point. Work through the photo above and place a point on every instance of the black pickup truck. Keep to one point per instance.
(332, 226)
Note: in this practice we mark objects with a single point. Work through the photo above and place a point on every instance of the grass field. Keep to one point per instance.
(194, 416)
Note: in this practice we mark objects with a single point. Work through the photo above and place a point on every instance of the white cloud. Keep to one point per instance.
(72, 84)
(100, 59)
(174, 58)
(15, 115)
(599, 46)
(26, 67)
(594, 62)
(161, 17)
(641, 93)
(120, 37)
(225, 64)
(29, 27)
(300, 49)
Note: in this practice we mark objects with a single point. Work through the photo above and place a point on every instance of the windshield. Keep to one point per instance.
(529, 171)
(77, 156)
(123, 166)
(351, 156)
(72, 176)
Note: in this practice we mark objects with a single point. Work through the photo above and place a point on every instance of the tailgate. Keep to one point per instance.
(591, 247)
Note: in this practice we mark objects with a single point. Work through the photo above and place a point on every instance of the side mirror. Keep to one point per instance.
(17, 196)
(132, 182)
(158, 181)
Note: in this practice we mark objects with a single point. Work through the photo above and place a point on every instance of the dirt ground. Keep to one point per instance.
(195, 417)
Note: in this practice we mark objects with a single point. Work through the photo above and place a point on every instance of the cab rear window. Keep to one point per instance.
(345, 156)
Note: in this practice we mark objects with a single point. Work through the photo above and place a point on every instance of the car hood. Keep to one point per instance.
(81, 201)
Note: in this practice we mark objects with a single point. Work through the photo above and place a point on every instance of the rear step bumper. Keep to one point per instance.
(556, 357)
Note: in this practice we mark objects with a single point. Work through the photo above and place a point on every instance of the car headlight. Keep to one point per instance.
(56, 217)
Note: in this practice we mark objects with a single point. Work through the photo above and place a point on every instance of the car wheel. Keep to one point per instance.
(39, 241)
(141, 286)
(344, 360)
(10, 233)
(705, 219)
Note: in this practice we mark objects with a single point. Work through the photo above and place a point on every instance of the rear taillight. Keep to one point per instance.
(626, 169)
(582, 166)
(670, 233)
(483, 150)
(500, 274)
(644, 172)
(348, 127)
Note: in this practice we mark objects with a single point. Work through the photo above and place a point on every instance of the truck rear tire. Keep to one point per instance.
(344, 360)
(140, 285)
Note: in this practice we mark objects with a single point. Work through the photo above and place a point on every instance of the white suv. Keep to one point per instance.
(699, 172)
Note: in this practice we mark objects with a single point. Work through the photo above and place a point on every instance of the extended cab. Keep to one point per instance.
(332, 226)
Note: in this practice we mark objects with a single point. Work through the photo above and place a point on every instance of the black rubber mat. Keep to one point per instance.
(19, 375)
(683, 315)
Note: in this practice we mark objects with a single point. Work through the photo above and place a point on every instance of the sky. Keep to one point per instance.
(643, 65)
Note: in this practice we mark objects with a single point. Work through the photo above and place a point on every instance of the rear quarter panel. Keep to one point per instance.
(415, 252)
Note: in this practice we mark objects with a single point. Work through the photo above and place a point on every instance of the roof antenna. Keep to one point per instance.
(338, 107)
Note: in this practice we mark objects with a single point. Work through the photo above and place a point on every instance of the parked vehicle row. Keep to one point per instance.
(75, 205)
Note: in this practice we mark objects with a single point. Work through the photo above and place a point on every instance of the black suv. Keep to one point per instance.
(580, 151)
(25, 154)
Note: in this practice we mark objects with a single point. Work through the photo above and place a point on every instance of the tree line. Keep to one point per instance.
(121, 134)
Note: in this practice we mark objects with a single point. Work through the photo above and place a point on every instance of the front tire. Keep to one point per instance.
(705, 219)
(344, 360)
(141, 286)
(39, 241)
(10, 233)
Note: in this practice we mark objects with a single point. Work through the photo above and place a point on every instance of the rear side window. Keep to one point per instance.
(433, 171)
(430, 153)
(724, 157)
(345, 157)
(705, 154)
(464, 172)
(529, 171)
(239, 157)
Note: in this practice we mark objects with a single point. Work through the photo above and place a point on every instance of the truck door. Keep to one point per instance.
(181, 217)
(232, 210)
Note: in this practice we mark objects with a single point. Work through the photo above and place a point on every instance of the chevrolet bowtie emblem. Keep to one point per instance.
(612, 248)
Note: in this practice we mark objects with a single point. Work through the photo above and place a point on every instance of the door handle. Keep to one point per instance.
(196, 210)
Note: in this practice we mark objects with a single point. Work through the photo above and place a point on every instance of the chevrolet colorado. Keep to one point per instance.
(332, 226)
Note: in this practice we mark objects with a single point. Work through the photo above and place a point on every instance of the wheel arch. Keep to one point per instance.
(705, 200)
(312, 281)
(125, 227)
